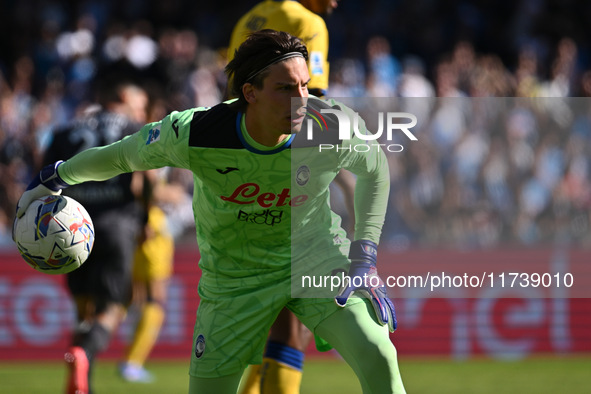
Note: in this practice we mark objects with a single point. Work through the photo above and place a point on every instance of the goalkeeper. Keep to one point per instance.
(249, 215)
(288, 339)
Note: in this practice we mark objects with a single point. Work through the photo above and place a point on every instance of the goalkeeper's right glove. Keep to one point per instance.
(363, 256)
(47, 182)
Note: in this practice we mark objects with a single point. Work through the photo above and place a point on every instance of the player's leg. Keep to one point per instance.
(77, 363)
(146, 334)
(107, 275)
(224, 343)
(250, 381)
(231, 329)
(85, 308)
(365, 345)
(91, 337)
(96, 338)
(75, 357)
(284, 355)
(224, 384)
(281, 370)
(152, 269)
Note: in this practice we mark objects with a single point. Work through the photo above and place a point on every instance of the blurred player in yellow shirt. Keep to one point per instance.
(302, 19)
(281, 371)
(152, 269)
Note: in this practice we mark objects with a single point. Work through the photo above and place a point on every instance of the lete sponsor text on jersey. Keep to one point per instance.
(250, 193)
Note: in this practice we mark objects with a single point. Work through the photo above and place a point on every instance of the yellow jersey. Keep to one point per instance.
(295, 19)
(154, 257)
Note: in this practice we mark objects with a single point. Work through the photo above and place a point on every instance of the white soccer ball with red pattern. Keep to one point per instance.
(55, 235)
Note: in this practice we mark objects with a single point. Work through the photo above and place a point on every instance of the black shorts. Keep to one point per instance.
(106, 275)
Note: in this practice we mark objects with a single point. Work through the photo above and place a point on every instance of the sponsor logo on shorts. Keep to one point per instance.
(199, 346)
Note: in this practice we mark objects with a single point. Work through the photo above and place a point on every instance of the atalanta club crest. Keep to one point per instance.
(303, 175)
(199, 346)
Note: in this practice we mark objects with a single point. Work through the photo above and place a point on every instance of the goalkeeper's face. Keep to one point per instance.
(284, 93)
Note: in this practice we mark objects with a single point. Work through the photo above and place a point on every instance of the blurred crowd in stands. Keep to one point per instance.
(485, 172)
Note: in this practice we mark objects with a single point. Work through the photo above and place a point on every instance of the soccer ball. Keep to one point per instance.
(55, 235)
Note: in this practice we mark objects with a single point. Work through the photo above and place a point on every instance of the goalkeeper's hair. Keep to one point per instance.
(260, 50)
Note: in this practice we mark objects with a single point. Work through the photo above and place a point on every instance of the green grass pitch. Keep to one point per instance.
(550, 374)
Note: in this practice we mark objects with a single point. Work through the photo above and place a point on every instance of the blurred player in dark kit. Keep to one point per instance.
(101, 287)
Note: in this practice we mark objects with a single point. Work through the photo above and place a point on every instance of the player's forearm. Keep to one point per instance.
(371, 202)
(102, 163)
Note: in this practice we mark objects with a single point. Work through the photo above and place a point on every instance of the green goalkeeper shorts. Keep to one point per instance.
(231, 331)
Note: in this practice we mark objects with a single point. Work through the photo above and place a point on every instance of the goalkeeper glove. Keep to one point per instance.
(47, 182)
(363, 256)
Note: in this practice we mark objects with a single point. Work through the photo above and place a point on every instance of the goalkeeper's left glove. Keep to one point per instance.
(47, 182)
(363, 256)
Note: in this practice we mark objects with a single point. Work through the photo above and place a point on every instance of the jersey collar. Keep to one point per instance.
(242, 133)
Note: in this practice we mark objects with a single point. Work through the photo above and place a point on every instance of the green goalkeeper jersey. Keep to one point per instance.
(251, 203)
